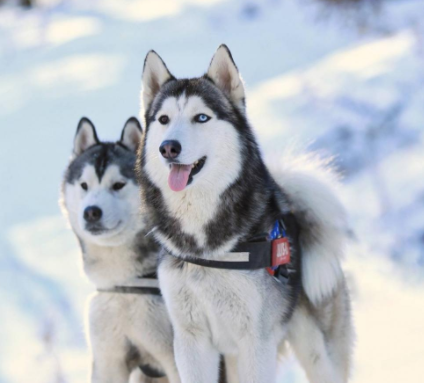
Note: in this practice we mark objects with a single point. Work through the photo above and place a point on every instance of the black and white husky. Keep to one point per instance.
(127, 322)
(209, 193)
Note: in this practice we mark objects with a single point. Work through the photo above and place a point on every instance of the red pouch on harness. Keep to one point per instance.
(280, 253)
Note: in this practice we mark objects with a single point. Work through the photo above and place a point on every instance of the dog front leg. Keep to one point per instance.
(257, 362)
(197, 360)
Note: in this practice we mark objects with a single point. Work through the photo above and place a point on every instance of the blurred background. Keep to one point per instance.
(341, 77)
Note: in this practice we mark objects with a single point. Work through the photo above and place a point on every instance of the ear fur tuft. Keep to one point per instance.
(85, 136)
(131, 134)
(224, 73)
(155, 74)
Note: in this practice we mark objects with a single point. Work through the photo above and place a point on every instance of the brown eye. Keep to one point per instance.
(164, 119)
(118, 186)
(84, 186)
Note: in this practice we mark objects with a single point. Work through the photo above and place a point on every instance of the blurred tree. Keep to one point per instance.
(26, 3)
(22, 3)
(350, 2)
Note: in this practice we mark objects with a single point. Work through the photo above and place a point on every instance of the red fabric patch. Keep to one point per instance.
(280, 251)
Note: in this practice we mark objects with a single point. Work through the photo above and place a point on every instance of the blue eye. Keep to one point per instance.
(202, 118)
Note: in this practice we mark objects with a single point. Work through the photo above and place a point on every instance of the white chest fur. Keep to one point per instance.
(194, 209)
(110, 266)
(226, 306)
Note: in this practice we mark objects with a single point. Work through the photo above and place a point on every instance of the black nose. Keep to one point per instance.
(170, 149)
(92, 214)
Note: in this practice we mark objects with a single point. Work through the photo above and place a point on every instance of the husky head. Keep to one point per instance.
(196, 129)
(100, 193)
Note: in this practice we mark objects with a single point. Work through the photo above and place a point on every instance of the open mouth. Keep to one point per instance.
(182, 175)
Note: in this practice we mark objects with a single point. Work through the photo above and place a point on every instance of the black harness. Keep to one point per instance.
(261, 252)
(146, 284)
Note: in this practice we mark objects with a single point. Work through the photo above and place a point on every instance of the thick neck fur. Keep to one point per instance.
(109, 266)
(250, 205)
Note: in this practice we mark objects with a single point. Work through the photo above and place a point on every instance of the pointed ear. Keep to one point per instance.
(131, 134)
(155, 74)
(224, 73)
(85, 136)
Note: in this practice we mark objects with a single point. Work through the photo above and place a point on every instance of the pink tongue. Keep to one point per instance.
(178, 177)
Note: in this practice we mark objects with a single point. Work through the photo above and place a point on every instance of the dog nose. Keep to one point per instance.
(170, 149)
(92, 214)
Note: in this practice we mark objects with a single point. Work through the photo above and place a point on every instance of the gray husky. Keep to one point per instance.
(128, 323)
(215, 206)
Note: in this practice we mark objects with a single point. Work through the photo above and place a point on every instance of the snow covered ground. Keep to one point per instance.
(353, 90)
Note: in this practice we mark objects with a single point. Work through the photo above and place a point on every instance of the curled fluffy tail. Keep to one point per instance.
(311, 188)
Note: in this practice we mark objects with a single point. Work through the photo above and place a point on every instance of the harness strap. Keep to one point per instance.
(255, 255)
(147, 284)
(262, 257)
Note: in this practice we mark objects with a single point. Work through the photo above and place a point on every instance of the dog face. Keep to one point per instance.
(192, 132)
(100, 193)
